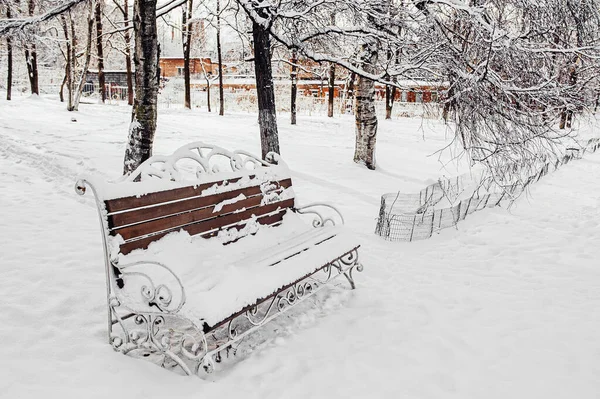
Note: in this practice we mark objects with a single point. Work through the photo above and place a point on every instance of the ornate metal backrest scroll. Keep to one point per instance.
(205, 159)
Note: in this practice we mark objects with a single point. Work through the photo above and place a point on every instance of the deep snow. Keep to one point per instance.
(504, 306)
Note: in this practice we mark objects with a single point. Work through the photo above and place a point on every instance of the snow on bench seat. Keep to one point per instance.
(221, 280)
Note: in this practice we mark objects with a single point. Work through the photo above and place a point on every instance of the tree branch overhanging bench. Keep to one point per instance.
(234, 239)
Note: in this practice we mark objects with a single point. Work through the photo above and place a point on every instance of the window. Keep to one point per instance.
(179, 71)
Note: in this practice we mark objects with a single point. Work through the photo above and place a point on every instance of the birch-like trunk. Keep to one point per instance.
(69, 62)
(147, 74)
(267, 117)
(127, 38)
(364, 109)
(294, 80)
(87, 56)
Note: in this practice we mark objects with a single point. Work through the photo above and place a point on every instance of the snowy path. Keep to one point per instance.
(504, 307)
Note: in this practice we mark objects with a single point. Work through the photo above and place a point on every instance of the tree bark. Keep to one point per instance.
(364, 109)
(331, 84)
(100, 50)
(267, 116)
(186, 40)
(390, 94)
(69, 69)
(31, 58)
(127, 38)
(294, 79)
(147, 74)
(208, 93)
(88, 55)
(9, 61)
(220, 61)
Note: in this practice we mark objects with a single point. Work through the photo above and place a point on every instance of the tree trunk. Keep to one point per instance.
(31, 58)
(390, 94)
(294, 79)
(88, 55)
(350, 98)
(147, 75)
(364, 109)
(331, 84)
(208, 93)
(220, 61)
(267, 117)
(61, 93)
(186, 40)
(100, 50)
(9, 61)
(127, 38)
(69, 69)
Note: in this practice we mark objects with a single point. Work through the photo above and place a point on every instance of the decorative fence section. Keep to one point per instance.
(409, 217)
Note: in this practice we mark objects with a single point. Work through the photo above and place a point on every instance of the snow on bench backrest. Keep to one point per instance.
(201, 189)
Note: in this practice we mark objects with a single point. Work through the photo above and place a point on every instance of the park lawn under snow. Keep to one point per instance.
(504, 306)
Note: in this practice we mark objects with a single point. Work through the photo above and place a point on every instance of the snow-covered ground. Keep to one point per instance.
(505, 306)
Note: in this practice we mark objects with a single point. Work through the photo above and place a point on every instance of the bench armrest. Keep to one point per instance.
(324, 214)
(147, 286)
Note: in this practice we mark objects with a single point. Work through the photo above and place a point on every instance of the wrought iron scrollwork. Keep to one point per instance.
(323, 214)
(208, 159)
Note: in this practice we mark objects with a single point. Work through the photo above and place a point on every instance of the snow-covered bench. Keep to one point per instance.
(195, 265)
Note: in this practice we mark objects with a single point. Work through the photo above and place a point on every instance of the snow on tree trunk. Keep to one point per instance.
(294, 80)
(364, 108)
(87, 56)
(127, 38)
(100, 50)
(267, 118)
(146, 56)
(331, 87)
(69, 70)
(31, 57)
(390, 94)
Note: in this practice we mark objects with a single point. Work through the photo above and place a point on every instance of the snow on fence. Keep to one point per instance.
(409, 217)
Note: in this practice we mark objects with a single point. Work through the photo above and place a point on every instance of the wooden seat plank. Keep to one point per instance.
(252, 205)
(271, 219)
(120, 204)
(159, 210)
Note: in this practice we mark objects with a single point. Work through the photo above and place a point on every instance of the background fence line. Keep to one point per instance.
(408, 217)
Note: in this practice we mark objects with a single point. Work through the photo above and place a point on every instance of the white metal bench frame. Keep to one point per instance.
(159, 328)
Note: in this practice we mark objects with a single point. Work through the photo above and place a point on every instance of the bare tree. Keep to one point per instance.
(265, 89)
(31, 57)
(9, 59)
(220, 60)
(147, 75)
(100, 50)
(186, 40)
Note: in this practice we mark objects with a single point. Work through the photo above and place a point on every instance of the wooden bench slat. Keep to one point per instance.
(157, 211)
(208, 213)
(267, 220)
(131, 202)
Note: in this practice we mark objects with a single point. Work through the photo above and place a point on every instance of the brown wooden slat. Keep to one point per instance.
(153, 226)
(196, 229)
(121, 204)
(185, 205)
